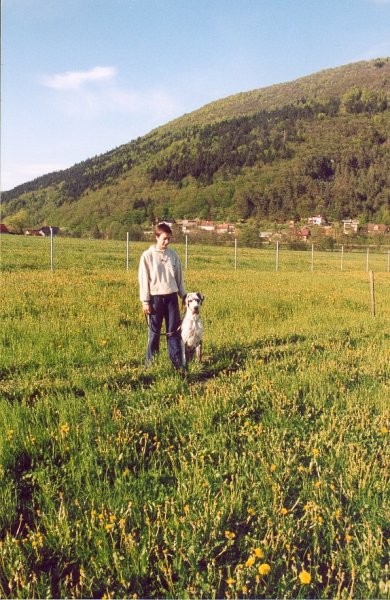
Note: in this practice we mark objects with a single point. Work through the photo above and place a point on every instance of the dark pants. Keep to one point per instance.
(165, 308)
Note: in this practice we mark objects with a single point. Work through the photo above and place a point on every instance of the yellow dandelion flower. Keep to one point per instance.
(348, 538)
(258, 553)
(230, 581)
(283, 510)
(318, 483)
(64, 429)
(251, 512)
(230, 535)
(264, 569)
(384, 429)
(315, 452)
(272, 467)
(304, 577)
(251, 561)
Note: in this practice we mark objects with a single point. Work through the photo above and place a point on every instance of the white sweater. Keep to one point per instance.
(160, 272)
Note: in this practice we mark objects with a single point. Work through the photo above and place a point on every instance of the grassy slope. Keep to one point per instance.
(114, 199)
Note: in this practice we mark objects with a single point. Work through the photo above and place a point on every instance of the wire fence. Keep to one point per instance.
(57, 253)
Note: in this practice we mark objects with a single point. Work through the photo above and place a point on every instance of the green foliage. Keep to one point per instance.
(282, 152)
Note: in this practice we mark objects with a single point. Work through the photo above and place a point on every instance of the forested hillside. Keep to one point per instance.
(319, 144)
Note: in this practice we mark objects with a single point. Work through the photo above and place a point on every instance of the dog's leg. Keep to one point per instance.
(198, 352)
(183, 354)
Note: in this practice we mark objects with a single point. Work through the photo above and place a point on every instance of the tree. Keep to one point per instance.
(18, 221)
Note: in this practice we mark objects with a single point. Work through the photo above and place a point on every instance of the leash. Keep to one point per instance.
(166, 333)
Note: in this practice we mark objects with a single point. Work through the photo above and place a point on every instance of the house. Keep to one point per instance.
(207, 225)
(47, 230)
(32, 232)
(318, 220)
(304, 233)
(377, 229)
(187, 224)
(225, 228)
(350, 226)
(4, 228)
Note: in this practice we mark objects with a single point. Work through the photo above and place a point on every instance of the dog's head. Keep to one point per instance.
(193, 301)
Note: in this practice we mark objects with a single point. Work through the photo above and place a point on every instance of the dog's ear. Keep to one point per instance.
(201, 297)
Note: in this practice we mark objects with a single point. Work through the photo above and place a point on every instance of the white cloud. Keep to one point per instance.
(73, 80)
(77, 98)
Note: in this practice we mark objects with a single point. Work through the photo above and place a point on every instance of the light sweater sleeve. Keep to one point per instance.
(144, 278)
(180, 279)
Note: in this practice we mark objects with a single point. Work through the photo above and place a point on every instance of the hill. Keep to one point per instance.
(317, 144)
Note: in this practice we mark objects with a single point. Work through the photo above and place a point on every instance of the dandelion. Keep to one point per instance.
(251, 512)
(64, 429)
(258, 553)
(273, 467)
(230, 581)
(384, 430)
(304, 577)
(315, 452)
(230, 535)
(264, 569)
(283, 511)
(348, 538)
(251, 561)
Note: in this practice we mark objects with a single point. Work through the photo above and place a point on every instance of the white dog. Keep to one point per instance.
(191, 328)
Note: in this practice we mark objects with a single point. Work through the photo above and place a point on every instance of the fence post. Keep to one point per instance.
(127, 251)
(372, 293)
(51, 249)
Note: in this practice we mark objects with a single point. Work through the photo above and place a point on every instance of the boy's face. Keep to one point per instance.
(162, 241)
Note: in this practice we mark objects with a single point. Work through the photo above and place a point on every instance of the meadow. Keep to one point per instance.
(261, 473)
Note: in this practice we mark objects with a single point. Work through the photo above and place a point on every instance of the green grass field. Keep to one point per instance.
(262, 473)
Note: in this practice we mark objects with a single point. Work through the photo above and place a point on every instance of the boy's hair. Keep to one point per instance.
(162, 228)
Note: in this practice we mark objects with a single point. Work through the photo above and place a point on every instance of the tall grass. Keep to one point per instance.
(261, 473)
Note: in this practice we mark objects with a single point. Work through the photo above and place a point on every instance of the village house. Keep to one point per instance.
(225, 228)
(35, 232)
(304, 233)
(318, 220)
(207, 225)
(350, 226)
(377, 229)
(187, 225)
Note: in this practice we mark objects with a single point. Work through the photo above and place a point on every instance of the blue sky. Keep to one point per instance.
(81, 77)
